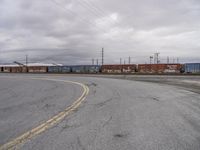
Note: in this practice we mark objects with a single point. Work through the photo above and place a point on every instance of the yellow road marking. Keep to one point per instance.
(49, 123)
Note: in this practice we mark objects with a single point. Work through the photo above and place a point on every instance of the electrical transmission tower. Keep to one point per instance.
(156, 58)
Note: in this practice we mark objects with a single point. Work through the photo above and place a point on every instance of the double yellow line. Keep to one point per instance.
(49, 123)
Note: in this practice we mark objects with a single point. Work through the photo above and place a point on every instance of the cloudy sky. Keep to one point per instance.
(74, 31)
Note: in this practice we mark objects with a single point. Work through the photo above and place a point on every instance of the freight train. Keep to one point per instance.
(108, 69)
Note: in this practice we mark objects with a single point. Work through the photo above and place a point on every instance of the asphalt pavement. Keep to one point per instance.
(116, 115)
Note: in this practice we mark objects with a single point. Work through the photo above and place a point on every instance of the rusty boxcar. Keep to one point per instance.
(37, 69)
(18, 69)
(127, 68)
(159, 68)
(1, 69)
(6, 69)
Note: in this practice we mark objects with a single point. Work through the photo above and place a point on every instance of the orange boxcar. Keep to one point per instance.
(129, 68)
(159, 68)
(37, 69)
(20, 69)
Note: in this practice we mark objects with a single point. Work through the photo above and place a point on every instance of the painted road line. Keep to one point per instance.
(49, 123)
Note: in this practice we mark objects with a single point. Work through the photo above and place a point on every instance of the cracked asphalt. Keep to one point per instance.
(116, 115)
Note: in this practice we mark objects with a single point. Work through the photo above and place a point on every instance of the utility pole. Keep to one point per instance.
(26, 60)
(97, 61)
(129, 60)
(120, 61)
(151, 58)
(167, 59)
(26, 63)
(102, 56)
(93, 61)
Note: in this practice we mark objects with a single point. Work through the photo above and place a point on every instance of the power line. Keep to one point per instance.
(95, 10)
(90, 8)
(87, 21)
(98, 9)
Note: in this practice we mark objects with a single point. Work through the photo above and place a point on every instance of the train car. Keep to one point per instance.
(92, 68)
(173, 68)
(192, 68)
(127, 68)
(24, 69)
(159, 68)
(16, 69)
(144, 68)
(19, 69)
(37, 69)
(59, 69)
(85, 69)
(54, 69)
(6, 69)
(1, 69)
(77, 69)
(65, 69)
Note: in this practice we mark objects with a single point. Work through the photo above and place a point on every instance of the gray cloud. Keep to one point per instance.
(73, 31)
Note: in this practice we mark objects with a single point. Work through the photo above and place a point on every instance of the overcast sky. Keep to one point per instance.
(74, 31)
